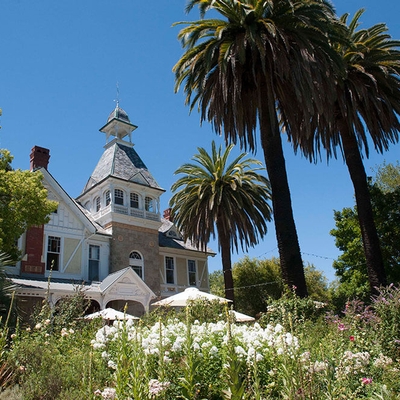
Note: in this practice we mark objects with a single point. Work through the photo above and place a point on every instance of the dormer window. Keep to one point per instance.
(108, 198)
(148, 204)
(134, 200)
(119, 197)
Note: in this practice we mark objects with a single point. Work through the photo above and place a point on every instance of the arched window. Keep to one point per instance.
(108, 198)
(97, 204)
(149, 204)
(136, 263)
(119, 197)
(134, 200)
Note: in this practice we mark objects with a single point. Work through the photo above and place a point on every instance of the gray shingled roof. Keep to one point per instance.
(121, 161)
(175, 243)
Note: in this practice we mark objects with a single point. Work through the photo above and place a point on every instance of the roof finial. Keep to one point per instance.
(117, 99)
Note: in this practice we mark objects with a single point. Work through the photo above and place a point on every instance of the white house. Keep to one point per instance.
(110, 241)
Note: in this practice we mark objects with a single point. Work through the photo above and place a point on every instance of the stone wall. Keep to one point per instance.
(145, 241)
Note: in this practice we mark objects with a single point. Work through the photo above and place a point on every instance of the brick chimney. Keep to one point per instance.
(167, 214)
(39, 157)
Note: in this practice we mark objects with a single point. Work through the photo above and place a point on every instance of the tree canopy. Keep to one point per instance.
(258, 281)
(227, 197)
(262, 65)
(351, 264)
(23, 203)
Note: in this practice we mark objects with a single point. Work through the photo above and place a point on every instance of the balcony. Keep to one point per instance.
(133, 212)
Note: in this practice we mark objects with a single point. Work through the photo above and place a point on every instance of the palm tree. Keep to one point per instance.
(230, 199)
(368, 101)
(266, 63)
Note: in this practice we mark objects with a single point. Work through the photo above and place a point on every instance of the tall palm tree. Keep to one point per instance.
(368, 102)
(255, 69)
(227, 198)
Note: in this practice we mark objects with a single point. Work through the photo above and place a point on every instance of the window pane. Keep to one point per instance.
(136, 262)
(93, 270)
(94, 252)
(138, 270)
(134, 200)
(135, 255)
(53, 253)
(97, 205)
(169, 270)
(119, 197)
(149, 204)
(192, 272)
(108, 198)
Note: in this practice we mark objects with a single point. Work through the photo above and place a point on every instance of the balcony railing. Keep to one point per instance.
(134, 212)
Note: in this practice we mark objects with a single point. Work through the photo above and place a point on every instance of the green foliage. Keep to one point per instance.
(256, 281)
(216, 195)
(216, 281)
(387, 177)
(290, 310)
(7, 307)
(301, 355)
(317, 284)
(351, 265)
(387, 308)
(23, 203)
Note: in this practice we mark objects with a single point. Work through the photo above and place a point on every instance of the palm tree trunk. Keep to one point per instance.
(224, 242)
(292, 268)
(372, 248)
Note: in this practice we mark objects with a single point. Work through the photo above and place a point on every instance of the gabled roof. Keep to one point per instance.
(119, 276)
(79, 211)
(121, 161)
(175, 241)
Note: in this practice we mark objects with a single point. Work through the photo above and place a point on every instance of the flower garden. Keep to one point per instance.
(291, 352)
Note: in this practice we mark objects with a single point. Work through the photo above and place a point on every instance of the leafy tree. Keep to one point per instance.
(216, 280)
(387, 177)
(317, 284)
(23, 203)
(256, 281)
(351, 267)
(7, 308)
(227, 198)
(264, 64)
(367, 102)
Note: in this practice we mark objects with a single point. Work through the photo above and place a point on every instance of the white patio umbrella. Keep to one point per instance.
(240, 317)
(110, 314)
(182, 298)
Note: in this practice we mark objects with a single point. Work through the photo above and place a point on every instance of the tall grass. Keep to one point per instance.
(290, 353)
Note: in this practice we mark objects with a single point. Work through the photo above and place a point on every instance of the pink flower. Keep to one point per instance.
(351, 338)
(366, 381)
(341, 327)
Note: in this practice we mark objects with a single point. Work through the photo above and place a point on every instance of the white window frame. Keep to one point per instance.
(192, 263)
(107, 198)
(137, 262)
(149, 204)
(167, 260)
(57, 251)
(130, 200)
(97, 204)
(90, 258)
(120, 197)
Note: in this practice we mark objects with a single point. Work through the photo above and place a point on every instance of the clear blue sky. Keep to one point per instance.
(60, 64)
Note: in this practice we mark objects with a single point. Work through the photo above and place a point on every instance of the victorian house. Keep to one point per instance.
(111, 241)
